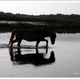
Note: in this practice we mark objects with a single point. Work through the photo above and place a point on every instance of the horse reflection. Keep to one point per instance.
(36, 59)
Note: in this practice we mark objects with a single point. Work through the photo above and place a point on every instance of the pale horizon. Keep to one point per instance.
(40, 7)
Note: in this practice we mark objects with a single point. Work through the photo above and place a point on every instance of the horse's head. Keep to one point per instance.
(53, 37)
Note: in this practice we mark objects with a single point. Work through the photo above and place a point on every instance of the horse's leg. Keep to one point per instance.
(19, 42)
(36, 50)
(37, 44)
(11, 54)
(11, 44)
(46, 45)
(19, 51)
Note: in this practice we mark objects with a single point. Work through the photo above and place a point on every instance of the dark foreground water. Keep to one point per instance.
(61, 60)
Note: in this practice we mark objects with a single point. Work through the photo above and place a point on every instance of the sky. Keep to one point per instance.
(40, 7)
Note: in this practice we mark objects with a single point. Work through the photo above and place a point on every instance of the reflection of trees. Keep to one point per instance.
(36, 58)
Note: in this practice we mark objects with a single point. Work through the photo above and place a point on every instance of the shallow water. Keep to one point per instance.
(63, 62)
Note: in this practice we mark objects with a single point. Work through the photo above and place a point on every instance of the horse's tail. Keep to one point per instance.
(11, 38)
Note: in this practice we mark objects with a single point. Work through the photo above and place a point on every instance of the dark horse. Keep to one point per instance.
(31, 35)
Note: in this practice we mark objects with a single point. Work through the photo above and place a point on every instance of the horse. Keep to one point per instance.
(31, 35)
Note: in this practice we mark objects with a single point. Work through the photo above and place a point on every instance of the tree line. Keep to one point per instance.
(46, 18)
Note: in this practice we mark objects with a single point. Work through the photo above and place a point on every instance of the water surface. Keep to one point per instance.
(66, 52)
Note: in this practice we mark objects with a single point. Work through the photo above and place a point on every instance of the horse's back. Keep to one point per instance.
(32, 34)
(29, 35)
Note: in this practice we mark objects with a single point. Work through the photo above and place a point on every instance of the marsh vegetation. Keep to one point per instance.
(59, 23)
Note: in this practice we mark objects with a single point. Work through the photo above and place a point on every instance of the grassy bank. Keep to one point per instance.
(58, 28)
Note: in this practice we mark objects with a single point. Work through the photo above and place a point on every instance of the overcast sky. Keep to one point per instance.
(40, 7)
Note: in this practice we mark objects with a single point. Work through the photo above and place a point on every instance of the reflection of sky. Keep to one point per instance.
(40, 7)
(4, 38)
(68, 37)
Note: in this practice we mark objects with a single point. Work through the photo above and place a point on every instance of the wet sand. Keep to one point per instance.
(66, 53)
